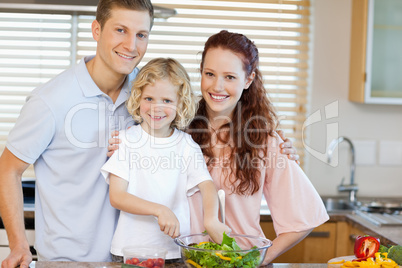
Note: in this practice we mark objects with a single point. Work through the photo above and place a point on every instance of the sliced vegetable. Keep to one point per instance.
(377, 262)
(337, 262)
(366, 246)
(194, 263)
(226, 258)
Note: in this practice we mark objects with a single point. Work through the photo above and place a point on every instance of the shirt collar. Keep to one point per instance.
(88, 86)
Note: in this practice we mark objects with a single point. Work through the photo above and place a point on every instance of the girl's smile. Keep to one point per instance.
(157, 117)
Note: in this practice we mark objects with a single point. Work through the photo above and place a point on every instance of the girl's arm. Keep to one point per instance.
(283, 243)
(122, 200)
(210, 204)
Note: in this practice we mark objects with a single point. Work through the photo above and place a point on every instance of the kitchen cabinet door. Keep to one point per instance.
(294, 255)
(375, 54)
(318, 247)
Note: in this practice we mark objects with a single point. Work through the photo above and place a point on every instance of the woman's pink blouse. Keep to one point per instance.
(292, 200)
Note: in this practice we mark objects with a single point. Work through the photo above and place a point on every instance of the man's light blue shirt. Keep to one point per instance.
(63, 129)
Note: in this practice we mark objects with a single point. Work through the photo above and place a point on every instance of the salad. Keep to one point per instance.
(224, 259)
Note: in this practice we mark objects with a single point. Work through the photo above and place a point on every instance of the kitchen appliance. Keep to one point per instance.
(385, 212)
(382, 206)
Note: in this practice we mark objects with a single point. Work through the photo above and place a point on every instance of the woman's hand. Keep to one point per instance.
(287, 147)
(113, 143)
(215, 229)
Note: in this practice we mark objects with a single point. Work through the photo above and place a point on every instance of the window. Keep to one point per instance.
(35, 46)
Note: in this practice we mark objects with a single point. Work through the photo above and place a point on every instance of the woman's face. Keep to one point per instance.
(223, 80)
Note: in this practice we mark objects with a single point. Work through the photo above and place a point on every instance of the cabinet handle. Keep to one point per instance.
(319, 234)
(352, 237)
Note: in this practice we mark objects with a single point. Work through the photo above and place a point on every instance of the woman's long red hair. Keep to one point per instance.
(253, 119)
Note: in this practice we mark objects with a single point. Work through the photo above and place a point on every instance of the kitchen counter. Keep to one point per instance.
(41, 264)
(387, 234)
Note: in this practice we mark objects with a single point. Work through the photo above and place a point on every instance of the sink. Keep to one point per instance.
(337, 204)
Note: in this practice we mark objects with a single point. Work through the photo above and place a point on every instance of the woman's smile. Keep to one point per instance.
(218, 97)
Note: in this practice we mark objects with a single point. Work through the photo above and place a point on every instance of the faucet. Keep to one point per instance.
(351, 187)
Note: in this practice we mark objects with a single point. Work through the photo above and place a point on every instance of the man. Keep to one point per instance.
(63, 129)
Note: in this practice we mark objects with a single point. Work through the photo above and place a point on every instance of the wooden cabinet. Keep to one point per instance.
(318, 247)
(375, 54)
(330, 240)
(354, 232)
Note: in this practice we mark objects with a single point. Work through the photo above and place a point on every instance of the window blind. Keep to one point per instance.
(35, 47)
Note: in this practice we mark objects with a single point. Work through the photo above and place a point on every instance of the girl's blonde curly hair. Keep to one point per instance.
(165, 68)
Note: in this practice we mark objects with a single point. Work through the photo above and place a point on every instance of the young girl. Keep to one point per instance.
(157, 166)
(236, 131)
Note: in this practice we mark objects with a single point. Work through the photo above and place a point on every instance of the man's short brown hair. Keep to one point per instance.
(105, 6)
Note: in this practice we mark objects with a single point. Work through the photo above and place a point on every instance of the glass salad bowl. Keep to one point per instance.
(198, 250)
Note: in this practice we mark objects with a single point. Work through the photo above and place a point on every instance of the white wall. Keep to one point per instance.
(330, 79)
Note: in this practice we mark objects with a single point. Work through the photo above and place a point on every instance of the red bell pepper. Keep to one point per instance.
(366, 246)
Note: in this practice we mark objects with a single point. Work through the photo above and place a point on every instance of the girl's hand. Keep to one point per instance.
(287, 147)
(113, 143)
(215, 229)
(168, 222)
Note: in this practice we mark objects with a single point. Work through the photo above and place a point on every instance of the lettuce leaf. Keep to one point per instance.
(211, 260)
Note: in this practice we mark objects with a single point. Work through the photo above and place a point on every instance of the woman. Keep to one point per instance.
(235, 127)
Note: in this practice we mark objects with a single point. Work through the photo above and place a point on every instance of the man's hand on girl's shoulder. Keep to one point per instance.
(287, 147)
(114, 142)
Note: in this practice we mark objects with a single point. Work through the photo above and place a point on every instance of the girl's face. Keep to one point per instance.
(158, 105)
(223, 80)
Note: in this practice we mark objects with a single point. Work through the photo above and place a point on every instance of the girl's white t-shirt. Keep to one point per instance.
(160, 170)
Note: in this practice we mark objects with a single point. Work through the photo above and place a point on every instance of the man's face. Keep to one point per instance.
(123, 40)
